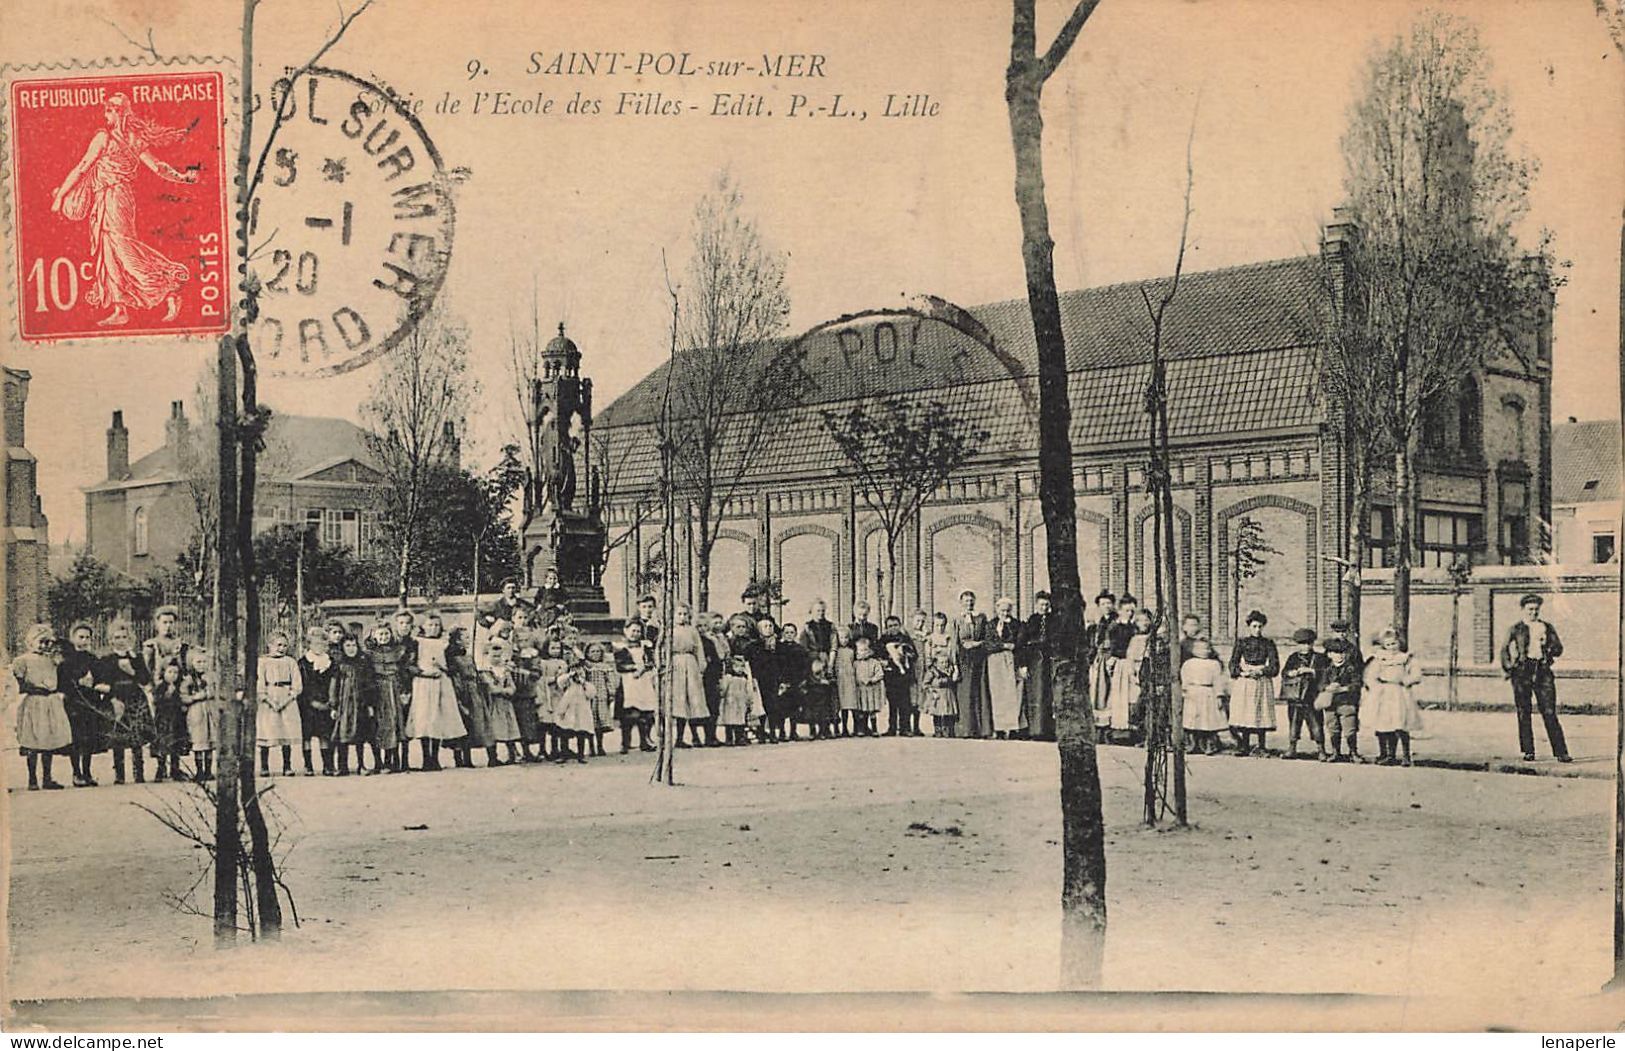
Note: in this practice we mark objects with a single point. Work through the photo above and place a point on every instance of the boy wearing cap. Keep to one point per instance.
(1300, 683)
(1338, 695)
(1342, 629)
(1526, 657)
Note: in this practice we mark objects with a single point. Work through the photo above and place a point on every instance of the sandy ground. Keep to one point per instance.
(796, 868)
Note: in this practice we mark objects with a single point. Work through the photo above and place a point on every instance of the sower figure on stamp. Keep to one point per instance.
(1526, 657)
(129, 273)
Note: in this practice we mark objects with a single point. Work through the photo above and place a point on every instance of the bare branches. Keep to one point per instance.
(285, 103)
(416, 408)
(730, 378)
(149, 48)
(1065, 38)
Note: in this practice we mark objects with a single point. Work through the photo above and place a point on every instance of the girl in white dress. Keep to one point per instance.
(687, 678)
(42, 718)
(1126, 686)
(572, 709)
(941, 656)
(1389, 705)
(869, 673)
(1204, 687)
(740, 694)
(277, 721)
(433, 716)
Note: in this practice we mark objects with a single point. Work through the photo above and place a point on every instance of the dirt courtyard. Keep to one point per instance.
(859, 865)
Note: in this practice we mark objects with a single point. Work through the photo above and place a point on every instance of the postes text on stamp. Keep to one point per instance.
(118, 188)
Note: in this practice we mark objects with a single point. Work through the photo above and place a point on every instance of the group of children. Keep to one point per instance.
(531, 695)
(535, 690)
(1329, 691)
(128, 701)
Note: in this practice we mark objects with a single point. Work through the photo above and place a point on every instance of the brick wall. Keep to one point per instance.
(1582, 602)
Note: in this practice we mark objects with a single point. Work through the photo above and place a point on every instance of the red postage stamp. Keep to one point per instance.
(118, 191)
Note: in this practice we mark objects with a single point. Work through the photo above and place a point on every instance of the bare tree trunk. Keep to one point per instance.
(703, 570)
(264, 865)
(1404, 502)
(891, 575)
(1176, 696)
(403, 571)
(1083, 849)
(227, 831)
(1359, 533)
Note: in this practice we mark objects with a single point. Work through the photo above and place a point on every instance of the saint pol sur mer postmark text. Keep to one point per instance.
(350, 227)
(118, 188)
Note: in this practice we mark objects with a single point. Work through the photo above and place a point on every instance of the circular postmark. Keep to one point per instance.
(350, 230)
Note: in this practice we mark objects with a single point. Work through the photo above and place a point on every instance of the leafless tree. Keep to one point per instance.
(616, 464)
(416, 408)
(1433, 278)
(1160, 484)
(900, 452)
(731, 379)
(1083, 839)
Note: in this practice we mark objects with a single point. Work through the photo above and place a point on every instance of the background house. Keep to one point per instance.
(314, 469)
(1585, 492)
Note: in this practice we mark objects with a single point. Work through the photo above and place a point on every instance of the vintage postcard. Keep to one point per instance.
(1067, 515)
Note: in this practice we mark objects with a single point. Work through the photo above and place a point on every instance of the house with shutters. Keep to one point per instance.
(314, 470)
(1253, 444)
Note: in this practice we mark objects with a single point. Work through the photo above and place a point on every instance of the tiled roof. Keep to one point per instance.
(1261, 306)
(1585, 462)
(1240, 344)
(294, 446)
(1265, 390)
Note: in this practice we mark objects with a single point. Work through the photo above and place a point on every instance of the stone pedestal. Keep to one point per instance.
(573, 546)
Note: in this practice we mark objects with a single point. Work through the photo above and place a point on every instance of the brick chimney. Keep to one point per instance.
(1337, 243)
(177, 429)
(452, 444)
(118, 448)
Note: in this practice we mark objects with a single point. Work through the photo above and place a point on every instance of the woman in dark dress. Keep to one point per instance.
(123, 676)
(969, 631)
(90, 714)
(762, 654)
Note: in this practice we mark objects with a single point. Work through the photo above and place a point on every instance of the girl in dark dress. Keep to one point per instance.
(388, 700)
(90, 714)
(348, 692)
(315, 703)
(471, 702)
(762, 653)
(795, 670)
(169, 738)
(122, 676)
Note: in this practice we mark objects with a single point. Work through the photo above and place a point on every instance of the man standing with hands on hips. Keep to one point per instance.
(1527, 657)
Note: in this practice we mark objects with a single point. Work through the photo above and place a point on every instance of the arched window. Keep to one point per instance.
(138, 532)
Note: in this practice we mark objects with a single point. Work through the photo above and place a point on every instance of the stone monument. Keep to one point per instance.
(564, 529)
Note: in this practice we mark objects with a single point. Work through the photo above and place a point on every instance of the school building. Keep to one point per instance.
(1256, 452)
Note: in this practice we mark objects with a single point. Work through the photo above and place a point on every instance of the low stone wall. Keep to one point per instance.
(1581, 601)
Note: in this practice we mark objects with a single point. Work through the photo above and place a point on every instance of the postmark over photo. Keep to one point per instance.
(118, 199)
(350, 226)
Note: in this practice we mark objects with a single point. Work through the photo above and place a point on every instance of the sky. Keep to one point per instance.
(570, 215)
